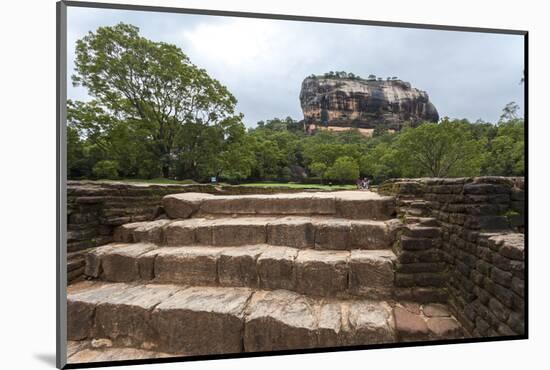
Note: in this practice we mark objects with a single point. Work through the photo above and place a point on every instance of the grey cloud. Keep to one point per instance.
(263, 62)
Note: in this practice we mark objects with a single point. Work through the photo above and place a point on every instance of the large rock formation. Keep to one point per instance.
(341, 103)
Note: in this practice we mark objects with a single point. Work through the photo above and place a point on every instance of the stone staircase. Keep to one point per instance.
(230, 274)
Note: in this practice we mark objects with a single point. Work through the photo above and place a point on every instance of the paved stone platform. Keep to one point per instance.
(346, 204)
(208, 320)
(100, 350)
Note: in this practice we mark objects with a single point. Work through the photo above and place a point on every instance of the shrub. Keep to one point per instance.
(106, 170)
(344, 169)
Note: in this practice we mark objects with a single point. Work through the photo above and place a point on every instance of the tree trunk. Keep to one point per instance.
(166, 171)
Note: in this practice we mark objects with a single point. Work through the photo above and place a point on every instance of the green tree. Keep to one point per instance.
(154, 89)
(380, 163)
(439, 150)
(344, 169)
(77, 163)
(509, 113)
(106, 170)
(318, 169)
(506, 150)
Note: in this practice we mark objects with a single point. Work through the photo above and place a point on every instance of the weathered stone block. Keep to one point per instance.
(82, 299)
(121, 264)
(409, 326)
(370, 235)
(498, 309)
(504, 295)
(501, 277)
(237, 266)
(381, 208)
(332, 235)
(296, 232)
(482, 326)
(444, 327)
(504, 329)
(150, 232)
(181, 233)
(279, 320)
(370, 270)
(516, 322)
(404, 280)
(429, 279)
(483, 267)
(435, 310)
(485, 189)
(511, 245)
(125, 315)
(124, 233)
(93, 258)
(183, 205)
(430, 255)
(80, 317)
(415, 244)
(422, 232)
(321, 273)
(202, 321)
(518, 286)
(412, 268)
(187, 265)
(487, 222)
(329, 326)
(239, 231)
(276, 268)
(368, 323)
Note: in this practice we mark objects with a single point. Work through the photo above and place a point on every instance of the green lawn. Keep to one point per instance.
(301, 186)
(292, 185)
(156, 181)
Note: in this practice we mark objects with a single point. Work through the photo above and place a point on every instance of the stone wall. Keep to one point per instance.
(467, 238)
(94, 209)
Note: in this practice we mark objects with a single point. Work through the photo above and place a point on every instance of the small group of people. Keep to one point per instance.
(363, 184)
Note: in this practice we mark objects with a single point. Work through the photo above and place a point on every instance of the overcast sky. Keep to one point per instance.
(263, 62)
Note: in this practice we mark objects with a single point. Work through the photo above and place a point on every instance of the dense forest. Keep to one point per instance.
(154, 114)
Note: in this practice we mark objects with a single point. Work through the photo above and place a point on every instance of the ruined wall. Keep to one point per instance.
(94, 209)
(476, 256)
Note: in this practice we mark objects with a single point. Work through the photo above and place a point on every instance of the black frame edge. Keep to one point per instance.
(526, 178)
(61, 185)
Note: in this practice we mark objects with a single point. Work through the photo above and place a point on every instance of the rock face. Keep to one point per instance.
(339, 103)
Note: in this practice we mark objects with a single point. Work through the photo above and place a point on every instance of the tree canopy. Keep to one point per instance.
(152, 113)
(151, 105)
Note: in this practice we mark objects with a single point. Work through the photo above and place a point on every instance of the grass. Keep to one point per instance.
(294, 185)
(155, 181)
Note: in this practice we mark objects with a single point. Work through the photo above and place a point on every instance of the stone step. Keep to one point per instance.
(422, 231)
(422, 221)
(215, 320)
(365, 273)
(102, 350)
(345, 204)
(291, 231)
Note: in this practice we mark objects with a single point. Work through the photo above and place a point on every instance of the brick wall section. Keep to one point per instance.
(94, 209)
(478, 255)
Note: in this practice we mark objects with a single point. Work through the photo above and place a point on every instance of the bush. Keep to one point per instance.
(106, 170)
(344, 169)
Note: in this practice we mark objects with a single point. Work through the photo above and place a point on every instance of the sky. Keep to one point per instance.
(263, 62)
